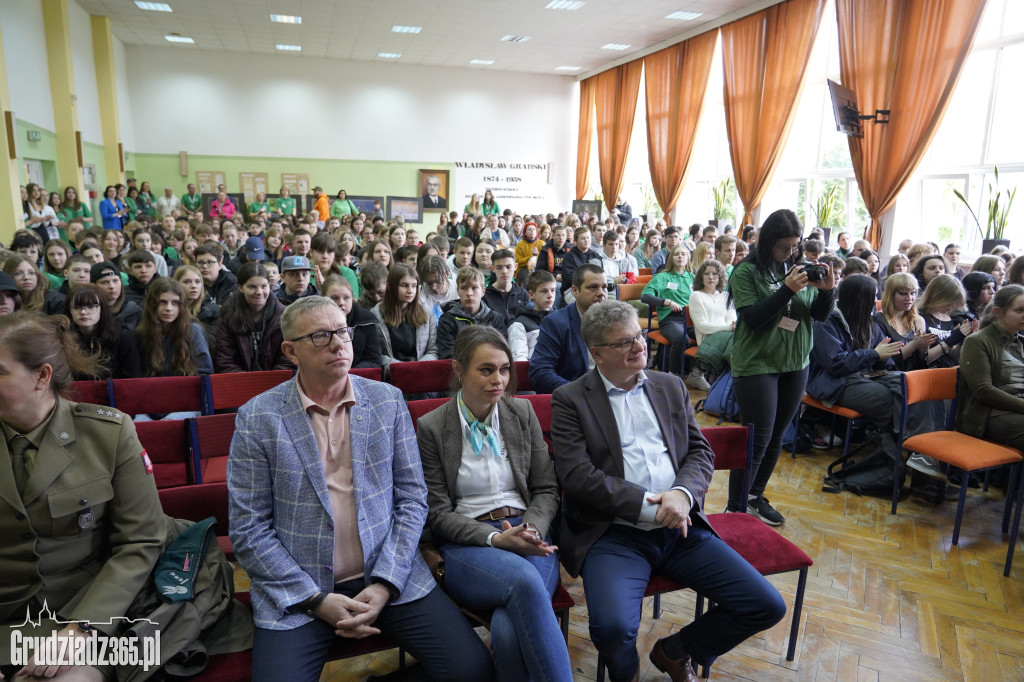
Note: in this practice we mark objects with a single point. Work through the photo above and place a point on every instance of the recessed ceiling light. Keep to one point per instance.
(515, 39)
(564, 4)
(154, 6)
(683, 16)
(389, 55)
(615, 46)
(174, 38)
(285, 19)
(483, 62)
(406, 29)
(289, 48)
(568, 68)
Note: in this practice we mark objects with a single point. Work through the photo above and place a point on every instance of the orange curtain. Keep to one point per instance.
(906, 56)
(615, 98)
(586, 137)
(676, 79)
(764, 56)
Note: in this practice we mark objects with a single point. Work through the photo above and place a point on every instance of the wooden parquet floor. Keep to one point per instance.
(888, 597)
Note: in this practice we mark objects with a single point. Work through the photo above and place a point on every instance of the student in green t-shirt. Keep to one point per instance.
(343, 206)
(669, 292)
(73, 209)
(192, 201)
(259, 206)
(775, 304)
(285, 205)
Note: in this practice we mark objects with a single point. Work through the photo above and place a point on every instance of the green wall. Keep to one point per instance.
(374, 178)
(45, 150)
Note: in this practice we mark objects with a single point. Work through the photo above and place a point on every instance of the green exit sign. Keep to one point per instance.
(34, 136)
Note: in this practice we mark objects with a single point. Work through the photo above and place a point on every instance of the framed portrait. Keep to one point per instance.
(592, 207)
(433, 188)
(410, 208)
(365, 203)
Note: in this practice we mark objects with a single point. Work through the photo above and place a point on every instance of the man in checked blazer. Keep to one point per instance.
(327, 506)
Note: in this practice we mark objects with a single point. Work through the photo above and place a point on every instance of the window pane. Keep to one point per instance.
(1007, 143)
(942, 214)
(961, 134)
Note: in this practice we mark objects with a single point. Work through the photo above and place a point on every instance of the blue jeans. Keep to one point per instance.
(525, 636)
(432, 629)
(619, 565)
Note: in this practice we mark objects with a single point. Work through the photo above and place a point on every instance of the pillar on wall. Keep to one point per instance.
(106, 89)
(62, 88)
(10, 194)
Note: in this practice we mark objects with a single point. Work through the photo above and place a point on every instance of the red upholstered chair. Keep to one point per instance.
(166, 443)
(522, 368)
(91, 392)
(424, 376)
(418, 408)
(230, 391)
(542, 408)
(210, 439)
(237, 667)
(198, 502)
(759, 544)
(158, 395)
(957, 449)
(373, 373)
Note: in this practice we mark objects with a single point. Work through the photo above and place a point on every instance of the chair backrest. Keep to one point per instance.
(198, 502)
(166, 443)
(689, 320)
(92, 392)
(210, 440)
(425, 376)
(228, 391)
(734, 449)
(523, 376)
(418, 408)
(646, 271)
(644, 279)
(930, 384)
(373, 373)
(158, 395)
(541, 403)
(629, 292)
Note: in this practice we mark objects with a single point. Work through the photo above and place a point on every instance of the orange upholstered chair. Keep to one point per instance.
(952, 447)
(836, 411)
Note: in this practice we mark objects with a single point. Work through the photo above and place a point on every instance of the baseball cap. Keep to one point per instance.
(254, 249)
(101, 270)
(294, 263)
(7, 283)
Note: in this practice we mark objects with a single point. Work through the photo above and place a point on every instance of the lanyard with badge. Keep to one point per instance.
(789, 323)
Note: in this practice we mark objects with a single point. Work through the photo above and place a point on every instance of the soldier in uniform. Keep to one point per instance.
(81, 526)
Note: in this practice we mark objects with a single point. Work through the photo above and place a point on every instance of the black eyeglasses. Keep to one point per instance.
(627, 344)
(323, 338)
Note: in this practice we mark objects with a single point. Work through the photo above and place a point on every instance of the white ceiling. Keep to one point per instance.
(454, 31)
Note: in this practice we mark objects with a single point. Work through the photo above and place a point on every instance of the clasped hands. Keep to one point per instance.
(673, 509)
(353, 617)
(522, 540)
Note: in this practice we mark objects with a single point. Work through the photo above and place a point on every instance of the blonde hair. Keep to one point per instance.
(896, 281)
(703, 252)
(944, 291)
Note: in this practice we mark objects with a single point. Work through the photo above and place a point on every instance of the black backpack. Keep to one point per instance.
(870, 475)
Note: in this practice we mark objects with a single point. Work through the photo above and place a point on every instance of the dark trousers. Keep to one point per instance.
(674, 329)
(769, 402)
(619, 565)
(432, 629)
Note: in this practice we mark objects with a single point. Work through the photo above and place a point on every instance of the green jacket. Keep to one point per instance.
(980, 367)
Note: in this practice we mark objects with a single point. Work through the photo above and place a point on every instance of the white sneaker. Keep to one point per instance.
(925, 465)
(696, 381)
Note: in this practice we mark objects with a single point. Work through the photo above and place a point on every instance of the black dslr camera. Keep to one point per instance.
(816, 272)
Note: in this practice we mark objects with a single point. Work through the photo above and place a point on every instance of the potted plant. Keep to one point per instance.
(824, 207)
(998, 212)
(652, 210)
(721, 193)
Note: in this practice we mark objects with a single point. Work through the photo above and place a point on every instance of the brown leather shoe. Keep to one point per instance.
(679, 669)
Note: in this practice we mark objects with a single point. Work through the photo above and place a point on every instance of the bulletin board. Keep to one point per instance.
(251, 183)
(207, 181)
(297, 183)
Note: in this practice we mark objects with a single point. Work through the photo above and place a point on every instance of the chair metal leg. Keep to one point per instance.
(657, 606)
(899, 468)
(832, 432)
(849, 432)
(798, 605)
(960, 508)
(1015, 529)
(1011, 495)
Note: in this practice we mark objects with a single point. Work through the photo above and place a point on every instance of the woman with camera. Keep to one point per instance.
(776, 299)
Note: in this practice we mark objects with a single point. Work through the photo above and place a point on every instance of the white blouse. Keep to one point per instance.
(711, 313)
(485, 481)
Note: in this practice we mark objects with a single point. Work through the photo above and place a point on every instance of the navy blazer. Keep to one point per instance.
(589, 462)
(281, 517)
(560, 355)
